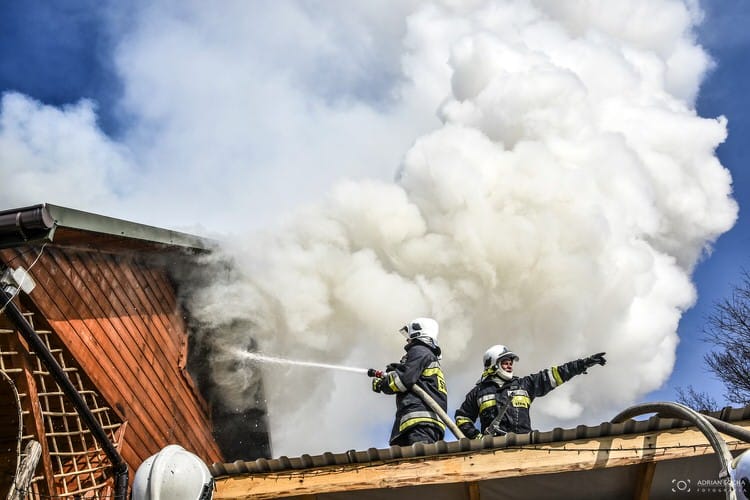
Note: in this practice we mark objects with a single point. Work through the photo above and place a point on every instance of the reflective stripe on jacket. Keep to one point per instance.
(420, 365)
(491, 394)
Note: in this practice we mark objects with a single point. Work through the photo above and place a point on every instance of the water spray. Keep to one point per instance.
(370, 372)
(254, 356)
(282, 361)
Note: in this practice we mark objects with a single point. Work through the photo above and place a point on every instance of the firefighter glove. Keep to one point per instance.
(596, 359)
(377, 384)
(394, 366)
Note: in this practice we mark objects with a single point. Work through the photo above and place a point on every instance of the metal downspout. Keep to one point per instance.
(680, 411)
(119, 467)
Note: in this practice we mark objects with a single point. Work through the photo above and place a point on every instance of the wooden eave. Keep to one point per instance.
(636, 465)
(67, 227)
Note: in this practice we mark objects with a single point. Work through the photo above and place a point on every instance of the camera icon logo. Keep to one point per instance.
(681, 485)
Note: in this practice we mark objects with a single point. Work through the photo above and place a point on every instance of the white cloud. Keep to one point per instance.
(58, 155)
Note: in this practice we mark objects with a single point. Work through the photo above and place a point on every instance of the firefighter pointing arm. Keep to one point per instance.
(415, 422)
(502, 401)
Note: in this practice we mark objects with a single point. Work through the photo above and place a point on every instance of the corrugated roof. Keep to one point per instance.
(462, 446)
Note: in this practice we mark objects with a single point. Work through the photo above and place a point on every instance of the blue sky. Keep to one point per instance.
(724, 92)
(58, 53)
(122, 99)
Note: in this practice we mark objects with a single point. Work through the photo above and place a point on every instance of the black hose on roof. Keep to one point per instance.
(677, 410)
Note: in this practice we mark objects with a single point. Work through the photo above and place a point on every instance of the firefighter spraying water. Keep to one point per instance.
(377, 375)
(419, 385)
(175, 473)
(428, 401)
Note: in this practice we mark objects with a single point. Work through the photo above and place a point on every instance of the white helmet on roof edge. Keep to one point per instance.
(740, 473)
(492, 358)
(421, 328)
(173, 474)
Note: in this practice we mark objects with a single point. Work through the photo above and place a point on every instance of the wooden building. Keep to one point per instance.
(106, 307)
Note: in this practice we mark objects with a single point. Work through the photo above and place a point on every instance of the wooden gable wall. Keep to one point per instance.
(119, 318)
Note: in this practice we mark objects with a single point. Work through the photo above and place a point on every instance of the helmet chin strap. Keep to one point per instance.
(500, 373)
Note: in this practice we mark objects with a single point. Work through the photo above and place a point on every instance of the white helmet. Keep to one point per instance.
(740, 473)
(425, 329)
(492, 358)
(173, 474)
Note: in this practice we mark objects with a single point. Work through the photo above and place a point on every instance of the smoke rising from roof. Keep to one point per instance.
(557, 205)
(559, 209)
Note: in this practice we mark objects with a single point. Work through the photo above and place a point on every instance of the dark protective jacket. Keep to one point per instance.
(419, 365)
(492, 394)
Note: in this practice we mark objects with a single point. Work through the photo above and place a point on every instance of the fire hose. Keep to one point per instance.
(706, 426)
(429, 401)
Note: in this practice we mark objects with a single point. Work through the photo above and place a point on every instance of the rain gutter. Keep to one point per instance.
(37, 224)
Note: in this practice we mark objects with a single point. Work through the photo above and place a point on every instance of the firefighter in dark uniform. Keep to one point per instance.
(415, 422)
(501, 401)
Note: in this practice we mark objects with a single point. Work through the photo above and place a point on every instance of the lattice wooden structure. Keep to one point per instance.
(72, 465)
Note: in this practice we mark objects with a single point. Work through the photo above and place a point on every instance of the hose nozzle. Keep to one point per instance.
(372, 372)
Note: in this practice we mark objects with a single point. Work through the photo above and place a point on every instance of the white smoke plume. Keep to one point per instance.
(557, 205)
(559, 209)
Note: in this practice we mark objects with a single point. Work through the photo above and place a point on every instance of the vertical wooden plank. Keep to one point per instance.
(167, 301)
(135, 276)
(165, 293)
(98, 298)
(98, 368)
(642, 489)
(151, 287)
(96, 334)
(127, 340)
(192, 419)
(472, 491)
(25, 473)
(80, 275)
(36, 413)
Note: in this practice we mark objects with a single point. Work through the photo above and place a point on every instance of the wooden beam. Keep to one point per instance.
(646, 471)
(580, 455)
(472, 491)
(35, 415)
(645, 478)
(25, 473)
